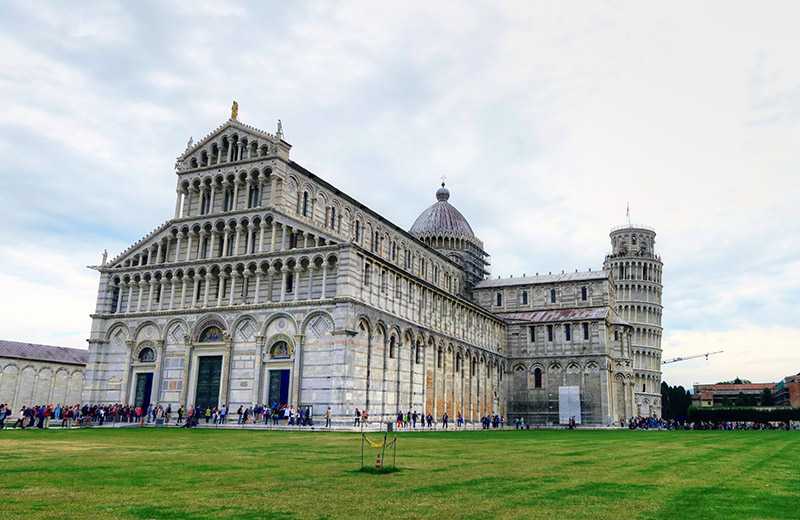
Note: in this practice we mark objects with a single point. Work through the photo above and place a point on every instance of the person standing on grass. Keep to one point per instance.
(357, 418)
(444, 420)
(414, 418)
(168, 414)
(240, 412)
(2, 416)
(328, 415)
(400, 419)
(21, 418)
(223, 414)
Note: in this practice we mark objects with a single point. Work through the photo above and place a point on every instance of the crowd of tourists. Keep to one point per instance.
(44, 416)
(410, 419)
(278, 414)
(657, 423)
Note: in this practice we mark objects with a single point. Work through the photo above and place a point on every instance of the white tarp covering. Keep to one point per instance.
(569, 404)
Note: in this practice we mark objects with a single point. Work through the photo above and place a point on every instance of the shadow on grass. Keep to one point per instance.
(377, 471)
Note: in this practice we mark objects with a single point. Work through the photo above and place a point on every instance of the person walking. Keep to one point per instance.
(328, 415)
(444, 420)
(2, 416)
(358, 418)
(21, 418)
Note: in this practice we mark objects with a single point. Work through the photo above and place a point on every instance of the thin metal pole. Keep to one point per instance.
(394, 457)
(383, 450)
(362, 450)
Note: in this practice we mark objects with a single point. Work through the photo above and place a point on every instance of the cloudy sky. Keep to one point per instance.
(547, 120)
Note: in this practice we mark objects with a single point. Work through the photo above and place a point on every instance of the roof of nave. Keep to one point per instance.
(32, 351)
(593, 313)
(544, 279)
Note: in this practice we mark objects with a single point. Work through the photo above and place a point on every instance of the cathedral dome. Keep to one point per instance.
(441, 217)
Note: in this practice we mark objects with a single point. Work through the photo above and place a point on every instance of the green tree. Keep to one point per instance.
(767, 399)
(727, 401)
(741, 400)
(675, 401)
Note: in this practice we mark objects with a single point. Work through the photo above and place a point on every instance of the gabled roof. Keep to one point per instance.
(544, 279)
(235, 124)
(34, 352)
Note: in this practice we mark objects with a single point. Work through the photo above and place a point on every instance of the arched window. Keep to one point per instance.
(458, 363)
(147, 355)
(289, 283)
(537, 378)
(279, 350)
(367, 275)
(552, 295)
(585, 331)
(305, 203)
(616, 335)
(228, 198)
(333, 217)
(567, 332)
(254, 195)
(533, 333)
(549, 333)
(524, 297)
(440, 355)
(418, 354)
(583, 293)
(392, 348)
(499, 299)
(358, 231)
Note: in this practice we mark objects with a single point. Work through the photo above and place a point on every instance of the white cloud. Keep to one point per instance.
(546, 118)
(760, 354)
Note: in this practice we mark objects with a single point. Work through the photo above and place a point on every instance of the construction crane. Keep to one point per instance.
(675, 360)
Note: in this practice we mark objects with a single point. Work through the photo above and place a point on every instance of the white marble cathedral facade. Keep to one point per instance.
(271, 285)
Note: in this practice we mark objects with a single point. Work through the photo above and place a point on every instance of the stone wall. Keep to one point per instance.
(28, 383)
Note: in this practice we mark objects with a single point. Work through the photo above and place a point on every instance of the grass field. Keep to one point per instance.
(164, 474)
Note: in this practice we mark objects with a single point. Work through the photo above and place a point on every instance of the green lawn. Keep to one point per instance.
(160, 473)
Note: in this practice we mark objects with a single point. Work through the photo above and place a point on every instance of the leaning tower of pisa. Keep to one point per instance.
(637, 273)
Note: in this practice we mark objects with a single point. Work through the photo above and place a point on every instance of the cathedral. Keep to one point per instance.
(270, 285)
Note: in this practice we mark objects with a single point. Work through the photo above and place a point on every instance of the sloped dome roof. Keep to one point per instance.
(441, 217)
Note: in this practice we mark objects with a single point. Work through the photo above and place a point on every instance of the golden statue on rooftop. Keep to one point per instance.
(235, 111)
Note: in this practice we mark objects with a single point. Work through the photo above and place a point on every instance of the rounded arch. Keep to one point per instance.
(146, 351)
(208, 321)
(273, 345)
(311, 326)
(115, 328)
(275, 316)
(141, 326)
(168, 328)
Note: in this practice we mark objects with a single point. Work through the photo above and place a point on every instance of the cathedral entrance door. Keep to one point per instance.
(209, 371)
(144, 388)
(278, 387)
